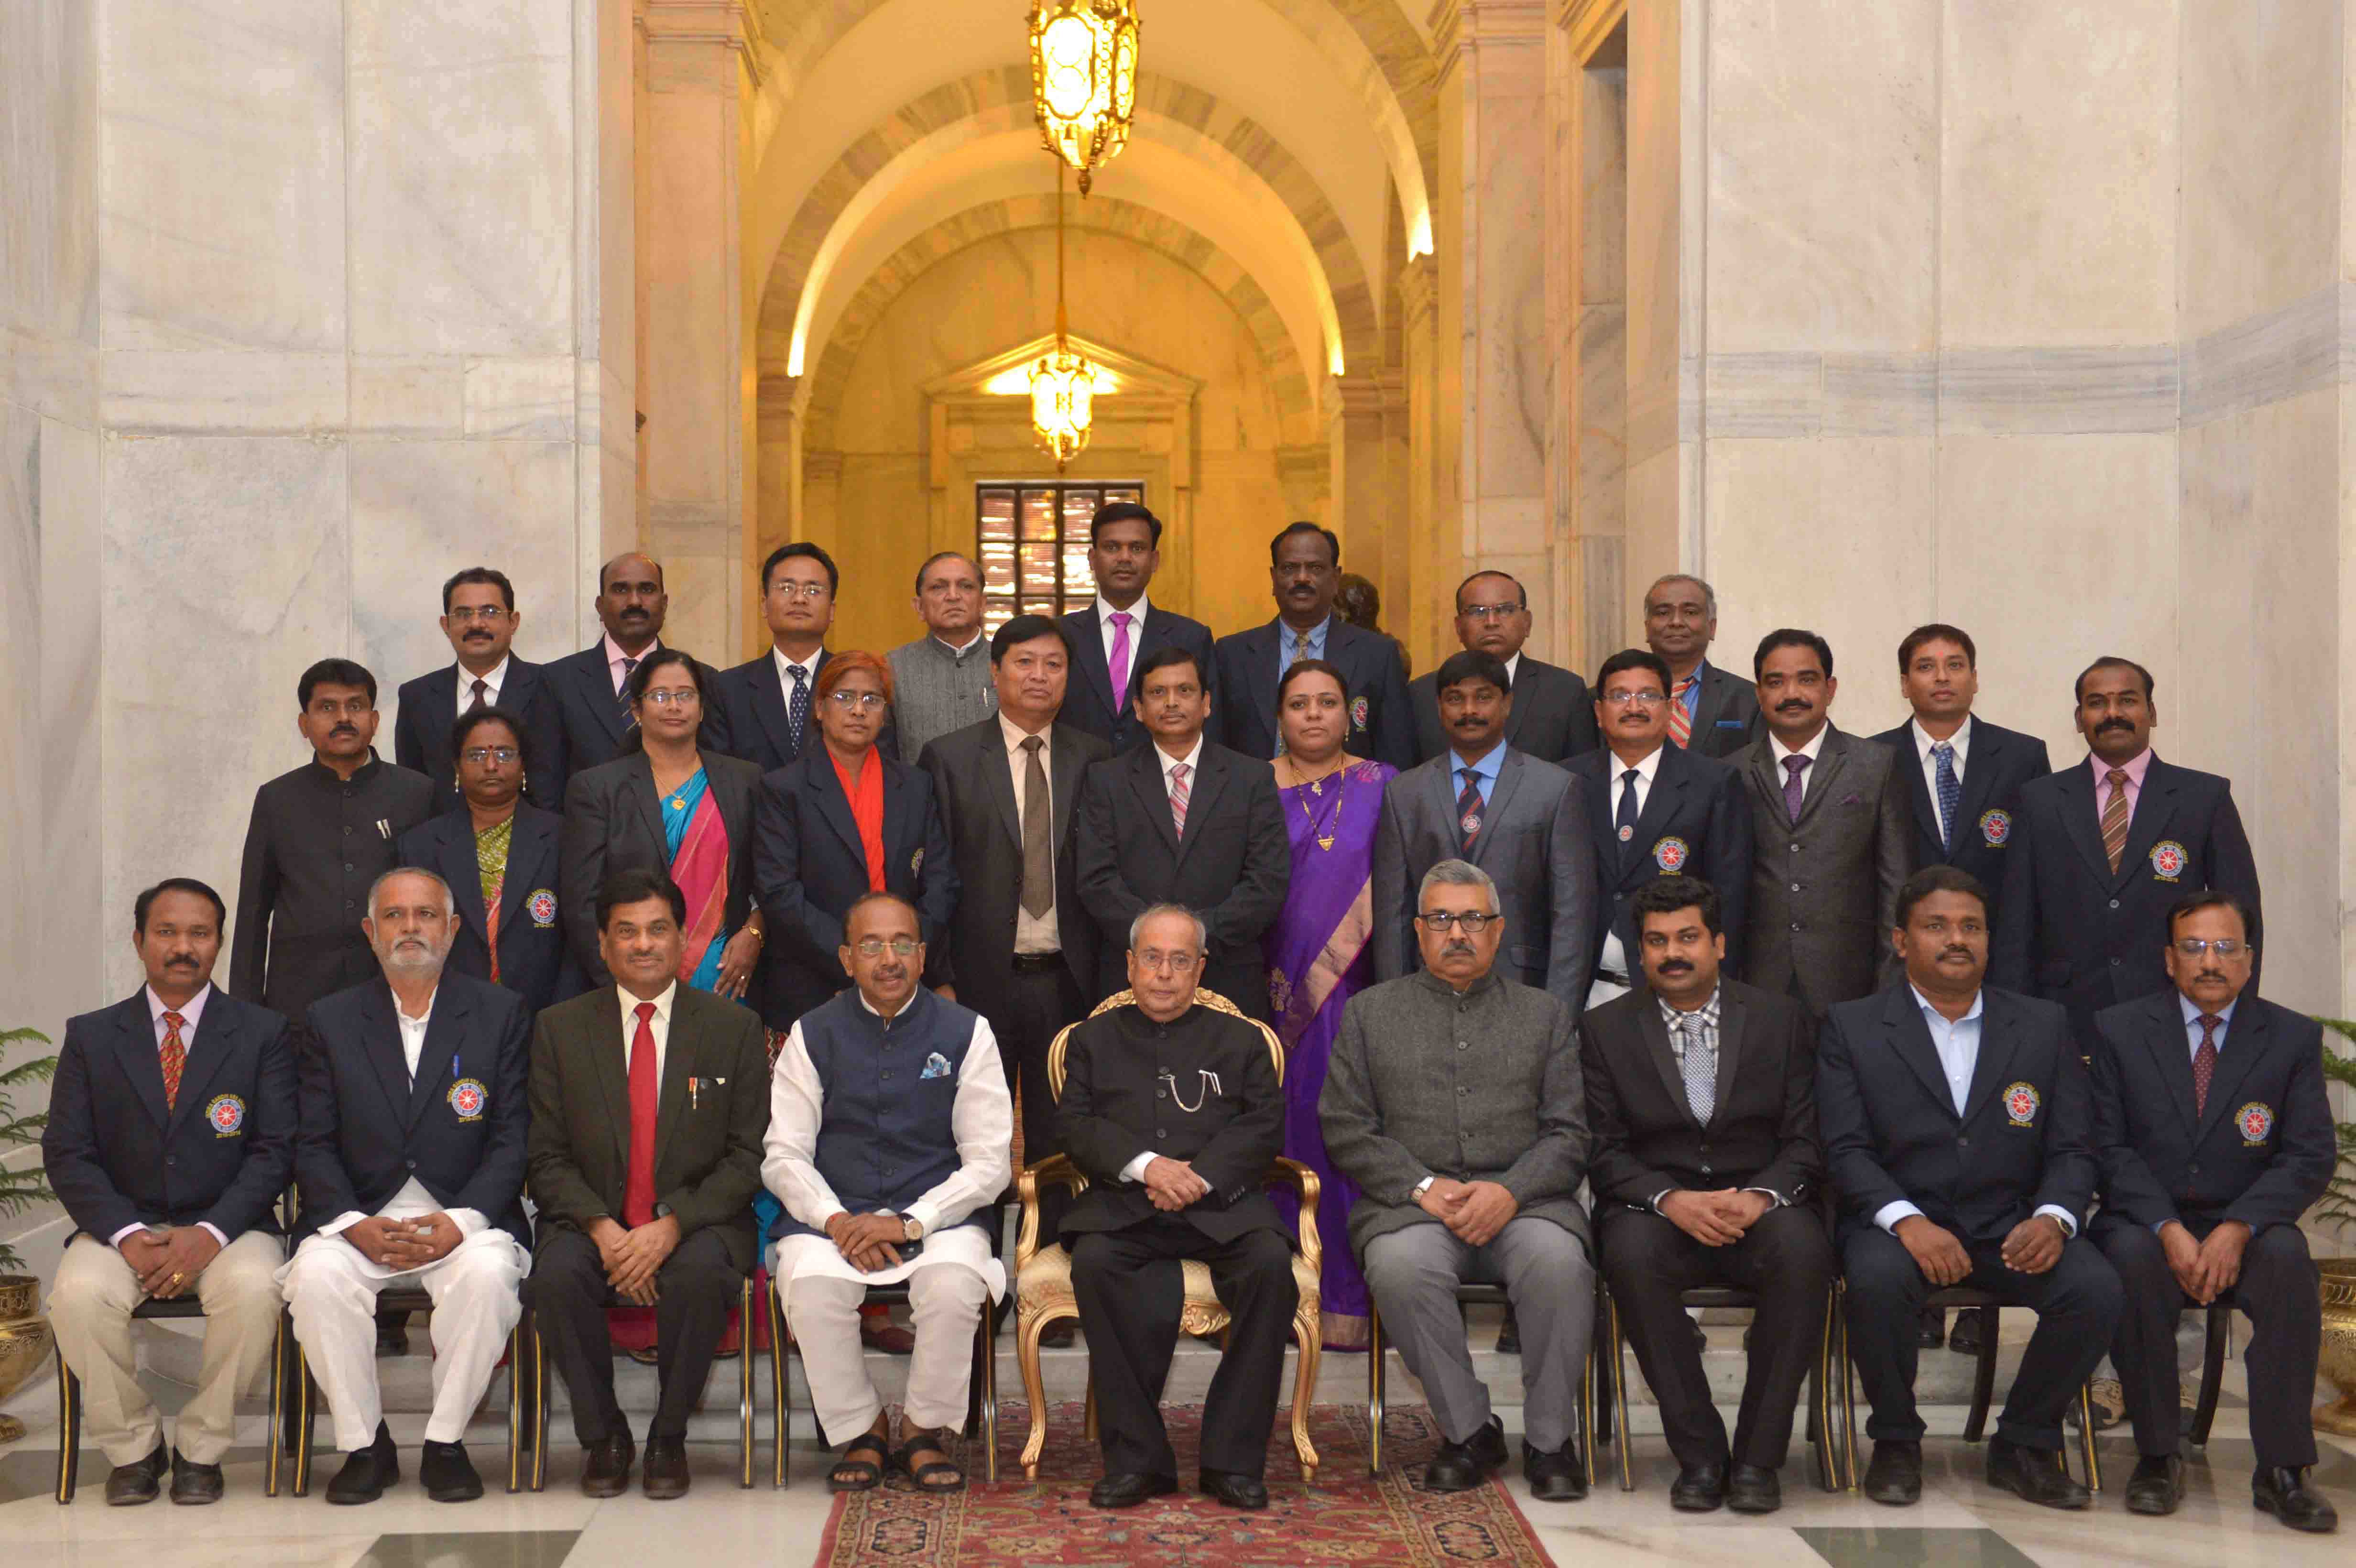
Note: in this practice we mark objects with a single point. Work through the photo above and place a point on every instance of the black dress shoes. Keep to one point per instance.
(1559, 1477)
(1129, 1489)
(1509, 1335)
(2034, 1474)
(1964, 1338)
(1461, 1466)
(1930, 1329)
(1895, 1476)
(664, 1475)
(193, 1485)
(1060, 1335)
(447, 1475)
(367, 1472)
(1753, 1488)
(1698, 1489)
(605, 1466)
(2283, 1492)
(2156, 1486)
(1231, 1490)
(139, 1482)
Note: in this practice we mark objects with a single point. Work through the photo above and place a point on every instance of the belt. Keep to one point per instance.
(1036, 962)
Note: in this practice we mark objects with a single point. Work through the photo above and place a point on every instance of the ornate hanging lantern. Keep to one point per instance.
(1084, 79)
(1062, 382)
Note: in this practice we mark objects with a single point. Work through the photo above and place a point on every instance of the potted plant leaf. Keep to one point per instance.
(25, 1339)
(2339, 1206)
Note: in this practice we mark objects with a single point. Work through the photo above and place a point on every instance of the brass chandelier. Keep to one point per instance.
(1084, 79)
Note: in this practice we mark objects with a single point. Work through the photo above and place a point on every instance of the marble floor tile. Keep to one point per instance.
(1884, 1546)
(1760, 1545)
(509, 1549)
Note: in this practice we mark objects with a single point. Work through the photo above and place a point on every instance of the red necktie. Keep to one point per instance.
(638, 1190)
(173, 1054)
(1680, 722)
(2204, 1063)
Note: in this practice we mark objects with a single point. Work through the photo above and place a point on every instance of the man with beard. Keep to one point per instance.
(1714, 712)
(2103, 849)
(411, 1168)
(1956, 1123)
(1829, 833)
(941, 682)
(479, 617)
(319, 839)
(1553, 718)
(1112, 638)
(1515, 818)
(764, 710)
(170, 1136)
(632, 601)
(1654, 810)
(1305, 570)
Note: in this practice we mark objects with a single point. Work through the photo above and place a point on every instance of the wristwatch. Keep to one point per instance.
(911, 1230)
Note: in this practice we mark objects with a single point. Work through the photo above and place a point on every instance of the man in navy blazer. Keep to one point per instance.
(1955, 1126)
(2214, 1135)
(1654, 810)
(478, 616)
(2104, 848)
(411, 1167)
(631, 602)
(1305, 569)
(1123, 626)
(170, 1139)
(765, 709)
(1967, 798)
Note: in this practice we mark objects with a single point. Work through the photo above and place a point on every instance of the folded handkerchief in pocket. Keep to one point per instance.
(935, 1066)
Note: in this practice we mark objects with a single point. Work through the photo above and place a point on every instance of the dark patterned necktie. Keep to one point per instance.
(797, 707)
(1038, 845)
(1795, 792)
(1700, 1070)
(629, 714)
(2204, 1063)
(1623, 822)
(1950, 791)
(1468, 810)
(482, 697)
(2115, 818)
(173, 1058)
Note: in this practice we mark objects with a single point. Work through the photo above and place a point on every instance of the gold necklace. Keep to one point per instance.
(1317, 787)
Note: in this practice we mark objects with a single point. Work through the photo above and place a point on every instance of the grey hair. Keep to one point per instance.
(1201, 931)
(1708, 594)
(449, 903)
(1459, 874)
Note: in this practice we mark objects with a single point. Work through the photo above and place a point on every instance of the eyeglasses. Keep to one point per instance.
(1443, 922)
(685, 697)
(2223, 947)
(799, 589)
(873, 946)
(478, 755)
(1174, 963)
(869, 699)
(489, 615)
(1633, 699)
(1491, 611)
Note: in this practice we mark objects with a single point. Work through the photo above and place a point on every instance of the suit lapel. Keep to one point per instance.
(1918, 790)
(2245, 1040)
(464, 872)
(650, 799)
(2172, 1055)
(2155, 808)
(596, 680)
(440, 1053)
(1145, 778)
(207, 1046)
(1598, 785)
(998, 783)
(142, 1065)
(2083, 818)
(382, 1041)
(1661, 804)
(902, 837)
(1259, 671)
(609, 1064)
(1732, 1017)
(1999, 1038)
(678, 1065)
(1910, 1041)
(1210, 780)
(1065, 765)
(530, 853)
(1655, 1036)
(832, 803)
(1089, 652)
(1712, 703)
(1443, 796)
(1821, 780)
(1510, 769)
(1980, 770)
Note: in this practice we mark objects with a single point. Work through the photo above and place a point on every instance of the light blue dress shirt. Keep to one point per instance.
(2191, 1010)
(1484, 772)
(1291, 645)
(1692, 698)
(1957, 1042)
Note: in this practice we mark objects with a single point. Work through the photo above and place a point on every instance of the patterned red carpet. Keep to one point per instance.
(1344, 1519)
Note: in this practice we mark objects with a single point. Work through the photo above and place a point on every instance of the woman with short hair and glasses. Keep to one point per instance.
(498, 853)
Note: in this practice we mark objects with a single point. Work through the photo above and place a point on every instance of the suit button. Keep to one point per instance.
(1462, 1091)
(347, 832)
(1795, 925)
(2193, 1169)
(175, 1159)
(410, 1163)
(887, 1072)
(1705, 1167)
(2115, 963)
(1461, 1045)
(2114, 903)
(348, 865)
(1162, 1132)
(1795, 848)
(1962, 1143)
(1162, 1093)
(1795, 886)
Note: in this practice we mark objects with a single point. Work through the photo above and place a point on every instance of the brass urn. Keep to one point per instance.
(25, 1341)
(2338, 1363)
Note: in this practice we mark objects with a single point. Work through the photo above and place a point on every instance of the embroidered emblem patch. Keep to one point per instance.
(1995, 826)
(2020, 1103)
(2256, 1121)
(935, 1066)
(226, 1114)
(1357, 713)
(1670, 855)
(1626, 833)
(467, 1097)
(541, 907)
(2169, 860)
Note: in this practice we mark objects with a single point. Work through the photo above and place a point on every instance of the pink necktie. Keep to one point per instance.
(1119, 659)
(1178, 794)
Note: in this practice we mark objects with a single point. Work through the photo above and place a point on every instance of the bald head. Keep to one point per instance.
(631, 602)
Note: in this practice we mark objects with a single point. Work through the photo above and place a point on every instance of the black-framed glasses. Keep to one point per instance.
(1444, 922)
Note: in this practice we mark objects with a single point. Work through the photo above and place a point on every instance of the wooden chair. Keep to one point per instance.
(744, 1388)
(981, 1402)
(1831, 1475)
(522, 1426)
(1043, 1290)
(1378, 1377)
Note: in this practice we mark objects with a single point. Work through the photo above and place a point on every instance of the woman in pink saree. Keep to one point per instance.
(1321, 949)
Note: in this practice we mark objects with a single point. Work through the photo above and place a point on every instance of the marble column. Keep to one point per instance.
(1422, 615)
(700, 384)
(780, 423)
(1361, 506)
(1491, 74)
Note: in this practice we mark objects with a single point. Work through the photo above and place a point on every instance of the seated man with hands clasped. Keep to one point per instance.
(890, 1138)
(1453, 1100)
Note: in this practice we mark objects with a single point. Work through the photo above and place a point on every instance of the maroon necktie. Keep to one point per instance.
(1795, 791)
(2204, 1063)
(639, 1188)
(1468, 809)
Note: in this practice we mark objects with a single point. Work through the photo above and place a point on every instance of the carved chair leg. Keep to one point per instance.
(1029, 1325)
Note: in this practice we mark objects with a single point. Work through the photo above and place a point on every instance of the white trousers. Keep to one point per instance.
(478, 1300)
(944, 1307)
(89, 1307)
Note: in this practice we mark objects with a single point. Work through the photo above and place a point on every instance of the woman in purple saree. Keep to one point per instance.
(1321, 949)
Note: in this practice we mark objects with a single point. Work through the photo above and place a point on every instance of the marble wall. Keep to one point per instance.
(305, 307)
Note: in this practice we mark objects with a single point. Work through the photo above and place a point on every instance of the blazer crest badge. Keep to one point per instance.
(2257, 1122)
(2021, 1103)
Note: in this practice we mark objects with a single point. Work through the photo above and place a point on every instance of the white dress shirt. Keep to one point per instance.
(412, 1199)
(786, 668)
(492, 684)
(1033, 934)
(1614, 958)
(1778, 750)
(1192, 760)
(1957, 1042)
(1960, 741)
(189, 1011)
(981, 1119)
(1513, 670)
(1105, 609)
(659, 1026)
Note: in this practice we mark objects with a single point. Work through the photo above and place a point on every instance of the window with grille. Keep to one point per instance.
(1035, 546)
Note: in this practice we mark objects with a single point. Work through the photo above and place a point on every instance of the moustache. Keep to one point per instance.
(341, 729)
(2205, 975)
(1677, 965)
(1955, 952)
(478, 636)
(1457, 947)
(634, 614)
(2108, 725)
(179, 961)
(1794, 704)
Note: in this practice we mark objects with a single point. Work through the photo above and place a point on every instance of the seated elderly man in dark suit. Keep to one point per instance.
(1174, 1113)
(2214, 1135)
(1701, 1092)
(1454, 1099)
(1955, 1119)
